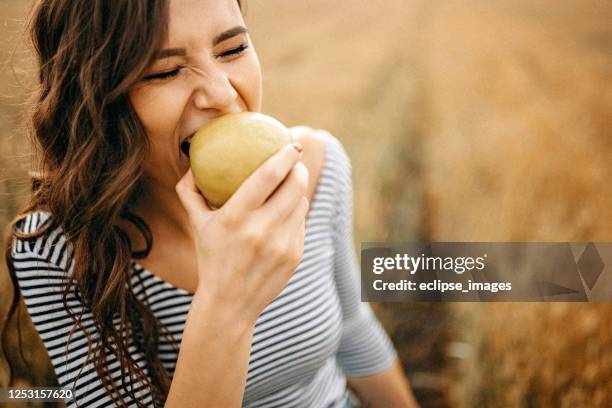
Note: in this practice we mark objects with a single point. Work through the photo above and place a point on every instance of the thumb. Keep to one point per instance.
(193, 202)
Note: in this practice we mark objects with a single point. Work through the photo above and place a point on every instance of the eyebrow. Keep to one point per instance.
(181, 52)
(226, 35)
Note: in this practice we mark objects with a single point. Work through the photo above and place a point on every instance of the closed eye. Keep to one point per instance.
(172, 73)
(162, 75)
(234, 51)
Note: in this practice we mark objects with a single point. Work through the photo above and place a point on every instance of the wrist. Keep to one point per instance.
(222, 312)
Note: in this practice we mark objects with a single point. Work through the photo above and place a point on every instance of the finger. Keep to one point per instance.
(189, 195)
(259, 185)
(300, 235)
(297, 216)
(282, 202)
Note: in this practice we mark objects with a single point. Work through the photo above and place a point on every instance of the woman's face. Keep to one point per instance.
(206, 68)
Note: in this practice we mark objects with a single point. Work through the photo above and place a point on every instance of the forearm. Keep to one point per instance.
(213, 359)
(388, 389)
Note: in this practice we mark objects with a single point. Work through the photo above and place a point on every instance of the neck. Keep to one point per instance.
(162, 210)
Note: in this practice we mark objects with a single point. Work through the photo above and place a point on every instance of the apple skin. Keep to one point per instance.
(228, 149)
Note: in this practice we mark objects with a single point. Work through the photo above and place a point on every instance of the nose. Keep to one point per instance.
(214, 90)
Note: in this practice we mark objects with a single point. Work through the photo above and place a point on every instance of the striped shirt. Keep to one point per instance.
(306, 341)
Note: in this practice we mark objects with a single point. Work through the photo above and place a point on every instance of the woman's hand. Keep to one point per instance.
(248, 249)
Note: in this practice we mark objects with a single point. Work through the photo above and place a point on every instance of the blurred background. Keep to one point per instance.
(465, 120)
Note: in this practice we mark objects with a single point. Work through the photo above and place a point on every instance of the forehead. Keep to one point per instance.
(192, 21)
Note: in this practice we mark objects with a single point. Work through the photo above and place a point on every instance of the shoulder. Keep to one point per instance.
(320, 141)
(39, 258)
(43, 243)
(324, 155)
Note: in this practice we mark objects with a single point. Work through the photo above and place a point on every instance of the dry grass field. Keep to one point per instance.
(465, 121)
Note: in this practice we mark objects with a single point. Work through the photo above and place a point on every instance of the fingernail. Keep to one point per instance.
(297, 146)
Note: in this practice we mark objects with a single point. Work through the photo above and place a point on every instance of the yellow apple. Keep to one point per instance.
(228, 149)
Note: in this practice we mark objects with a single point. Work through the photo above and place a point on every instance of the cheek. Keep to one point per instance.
(249, 84)
(159, 110)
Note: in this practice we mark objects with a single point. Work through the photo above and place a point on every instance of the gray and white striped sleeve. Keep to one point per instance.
(365, 348)
(41, 267)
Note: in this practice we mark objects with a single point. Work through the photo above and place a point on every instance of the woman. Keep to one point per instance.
(261, 295)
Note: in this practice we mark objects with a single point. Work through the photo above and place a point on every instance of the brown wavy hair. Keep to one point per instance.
(90, 149)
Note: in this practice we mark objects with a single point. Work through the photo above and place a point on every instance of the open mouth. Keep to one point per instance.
(184, 146)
